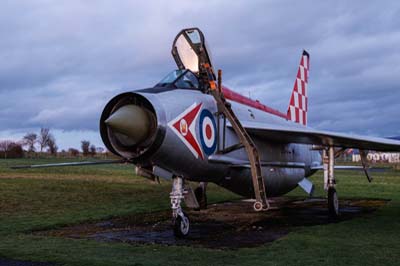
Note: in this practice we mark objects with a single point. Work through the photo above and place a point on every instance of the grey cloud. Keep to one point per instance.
(61, 61)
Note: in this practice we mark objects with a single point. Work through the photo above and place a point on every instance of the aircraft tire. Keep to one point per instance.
(333, 203)
(258, 206)
(181, 226)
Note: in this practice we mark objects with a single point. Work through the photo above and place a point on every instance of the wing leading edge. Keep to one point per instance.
(306, 135)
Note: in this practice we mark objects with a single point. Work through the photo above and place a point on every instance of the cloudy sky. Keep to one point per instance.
(60, 61)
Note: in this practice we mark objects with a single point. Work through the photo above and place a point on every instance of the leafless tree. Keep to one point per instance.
(44, 138)
(30, 140)
(5, 147)
(85, 144)
(52, 145)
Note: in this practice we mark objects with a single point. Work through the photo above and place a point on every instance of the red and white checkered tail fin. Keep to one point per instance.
(298, 105)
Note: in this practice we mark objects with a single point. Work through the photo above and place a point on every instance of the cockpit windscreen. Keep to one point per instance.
(184, 79)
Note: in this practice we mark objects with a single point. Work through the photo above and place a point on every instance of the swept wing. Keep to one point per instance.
(293, 133)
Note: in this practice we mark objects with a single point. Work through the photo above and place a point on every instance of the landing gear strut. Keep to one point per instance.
(330, 182)
(180, 221)
(201, 196)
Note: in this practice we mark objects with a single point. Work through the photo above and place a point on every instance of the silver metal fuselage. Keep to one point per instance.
(284, 164)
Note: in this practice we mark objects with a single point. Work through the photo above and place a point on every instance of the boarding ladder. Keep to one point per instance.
(190, 52)
(224, 107)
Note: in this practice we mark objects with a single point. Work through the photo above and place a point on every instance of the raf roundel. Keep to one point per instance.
(208, 132)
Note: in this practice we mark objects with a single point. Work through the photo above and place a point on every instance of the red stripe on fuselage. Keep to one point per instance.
(236, 97)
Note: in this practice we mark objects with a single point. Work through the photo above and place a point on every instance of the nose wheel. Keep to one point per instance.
(180, 221)
(181, 225)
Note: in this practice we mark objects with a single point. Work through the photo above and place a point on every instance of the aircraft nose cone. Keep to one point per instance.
(132, 121)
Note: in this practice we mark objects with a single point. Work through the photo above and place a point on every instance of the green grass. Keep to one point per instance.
(49, 198)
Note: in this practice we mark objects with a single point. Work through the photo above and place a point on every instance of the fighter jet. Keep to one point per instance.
(189, 127)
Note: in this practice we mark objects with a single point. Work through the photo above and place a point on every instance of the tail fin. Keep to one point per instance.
(298, 105)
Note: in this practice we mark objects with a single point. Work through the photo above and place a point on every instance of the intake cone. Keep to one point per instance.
(133, 121)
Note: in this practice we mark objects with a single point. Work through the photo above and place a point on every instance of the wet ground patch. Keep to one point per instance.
(225, 225)
(11, 262)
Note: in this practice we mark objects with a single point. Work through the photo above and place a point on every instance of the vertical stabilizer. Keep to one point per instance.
(298, 105)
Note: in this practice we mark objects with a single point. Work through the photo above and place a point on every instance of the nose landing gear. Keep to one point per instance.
(180, 221)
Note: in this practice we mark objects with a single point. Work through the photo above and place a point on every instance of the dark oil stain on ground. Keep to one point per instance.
(229, 225)
(11, 262)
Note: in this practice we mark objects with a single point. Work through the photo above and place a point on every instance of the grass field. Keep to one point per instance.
(50, 198)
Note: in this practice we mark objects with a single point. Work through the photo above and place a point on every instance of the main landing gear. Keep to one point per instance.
(328, 157)
(180, 221)
(333, 203)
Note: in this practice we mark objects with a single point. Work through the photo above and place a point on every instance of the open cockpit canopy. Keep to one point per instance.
(190, 51)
